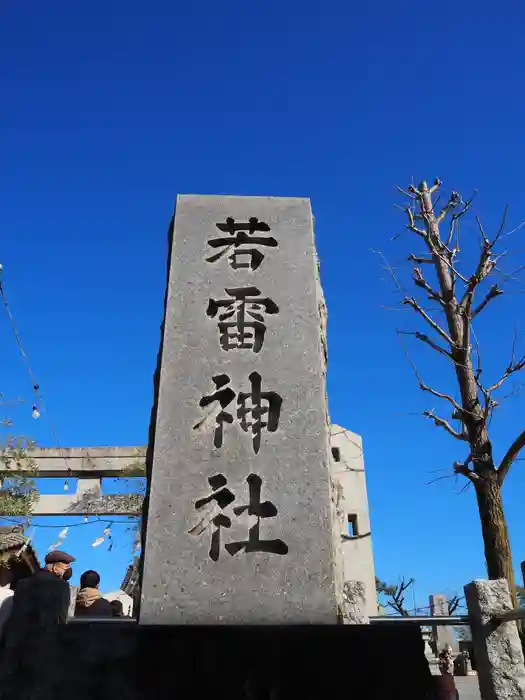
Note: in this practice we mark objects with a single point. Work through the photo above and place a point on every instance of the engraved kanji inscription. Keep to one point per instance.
(256, 409)
(221, 398)
(241, 318)
(260, 510)
(221, 498)
(242, 234)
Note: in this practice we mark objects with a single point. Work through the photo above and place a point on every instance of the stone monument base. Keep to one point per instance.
(124, 661)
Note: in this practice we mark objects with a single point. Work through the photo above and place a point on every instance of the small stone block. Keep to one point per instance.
(497, 647)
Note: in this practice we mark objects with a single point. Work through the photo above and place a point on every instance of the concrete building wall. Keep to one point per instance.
(349, 471)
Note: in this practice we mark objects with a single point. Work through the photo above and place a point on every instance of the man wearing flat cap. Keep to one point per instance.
(40, 606)
(42, 600)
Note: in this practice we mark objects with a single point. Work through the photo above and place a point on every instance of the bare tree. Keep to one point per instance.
(395, 595)
(453, 604)
(457, 299)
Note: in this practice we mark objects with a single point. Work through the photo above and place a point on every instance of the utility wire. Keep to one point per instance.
(38, 400)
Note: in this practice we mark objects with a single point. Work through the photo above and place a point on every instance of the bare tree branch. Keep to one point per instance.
(439, 478)
(506, 276)
(449, 264)
(420, 260)
(510, 457)
(462, 468)
(493, 292)
(391, 270)
(456, 217)
(420, 281)
(502, 226)
(452, 203)
(425, 387)
(425, 339)
(481, 230)
(437, 184)
(410, 301)
(442, 423)
(453, 604)
(514, 230)
(511, 369)
(397, 601)
(445, 397)
(485, 266)
(412, 224)
(410, 195)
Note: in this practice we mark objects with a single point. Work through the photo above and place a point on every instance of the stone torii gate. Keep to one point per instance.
(88, 465)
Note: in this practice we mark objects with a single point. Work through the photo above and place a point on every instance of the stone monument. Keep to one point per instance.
(240, 526)
(443, 634)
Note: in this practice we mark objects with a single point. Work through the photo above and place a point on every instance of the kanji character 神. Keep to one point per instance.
(256, 409)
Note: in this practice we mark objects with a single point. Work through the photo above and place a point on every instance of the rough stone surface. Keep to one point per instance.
(182, 583)
(354, 603)
(497, 647)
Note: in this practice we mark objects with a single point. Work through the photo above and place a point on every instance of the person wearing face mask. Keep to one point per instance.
(40, 606)
(42, 600)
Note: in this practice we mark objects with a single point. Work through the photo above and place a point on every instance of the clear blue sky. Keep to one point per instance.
(109, 109)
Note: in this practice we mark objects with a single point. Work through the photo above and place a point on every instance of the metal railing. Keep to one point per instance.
(423, 620)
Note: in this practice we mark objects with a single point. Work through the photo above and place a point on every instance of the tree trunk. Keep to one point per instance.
(494, 528)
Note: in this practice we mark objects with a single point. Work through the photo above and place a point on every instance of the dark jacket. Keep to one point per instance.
(40, 603)
(97, 608)
(31, 651)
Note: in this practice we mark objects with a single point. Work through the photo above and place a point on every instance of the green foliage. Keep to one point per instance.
(18, 492)
(382, 587)
(395, 595)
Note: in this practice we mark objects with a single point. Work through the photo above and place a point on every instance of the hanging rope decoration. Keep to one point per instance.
(61, 537)
(84, 522)
(107, 535)
(38, 401)
(138, 540)
(26, 544)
